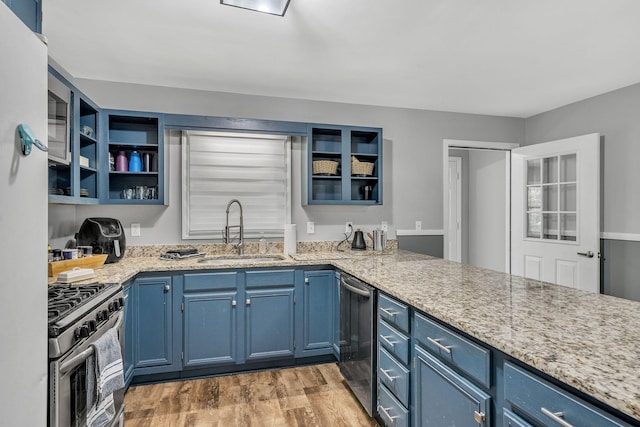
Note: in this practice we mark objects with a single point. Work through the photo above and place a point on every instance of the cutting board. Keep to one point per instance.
(94, 261)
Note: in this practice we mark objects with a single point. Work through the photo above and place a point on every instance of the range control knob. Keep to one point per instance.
(92, 326)
(112, 307)
(81, 332)
(105, 314)
(121, 301)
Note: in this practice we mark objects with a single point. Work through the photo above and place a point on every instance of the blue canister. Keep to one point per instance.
(135, 163)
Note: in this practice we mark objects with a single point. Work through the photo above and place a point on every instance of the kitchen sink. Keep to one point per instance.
(240, 259)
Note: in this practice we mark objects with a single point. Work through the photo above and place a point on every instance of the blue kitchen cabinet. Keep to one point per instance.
(74, 155)
(210, 319)
(318, 308)
(153, 324)
(269, 314)
(128, 132)
(331, 177)
(29, 12)
(442, 397)
(129, 340)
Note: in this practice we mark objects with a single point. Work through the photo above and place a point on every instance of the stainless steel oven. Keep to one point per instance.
(70, 344)
(357, 332)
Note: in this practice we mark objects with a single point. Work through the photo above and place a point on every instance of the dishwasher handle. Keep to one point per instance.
(355, 287)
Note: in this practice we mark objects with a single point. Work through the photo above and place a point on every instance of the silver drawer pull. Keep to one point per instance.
(386, 374)
(388, 341)
(386, 413)
(479, 417)
(436, 342)
(388, 312)
(556, 416)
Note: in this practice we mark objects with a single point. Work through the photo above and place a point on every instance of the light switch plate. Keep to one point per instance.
(135, 230)
(418, 225)
(311, 227)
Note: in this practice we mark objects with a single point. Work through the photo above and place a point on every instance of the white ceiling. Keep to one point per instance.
(499, 57)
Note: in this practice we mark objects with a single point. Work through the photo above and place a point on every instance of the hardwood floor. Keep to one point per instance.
(303, 396)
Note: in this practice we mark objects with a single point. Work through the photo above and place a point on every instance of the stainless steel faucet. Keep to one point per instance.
(240, 245)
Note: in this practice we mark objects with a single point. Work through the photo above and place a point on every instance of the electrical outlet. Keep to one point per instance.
(418, 225)
(384, 226)
(135, 230)
(348, 228)
(311, 227)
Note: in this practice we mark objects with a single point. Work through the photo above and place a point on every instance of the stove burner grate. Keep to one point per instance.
(63, 299)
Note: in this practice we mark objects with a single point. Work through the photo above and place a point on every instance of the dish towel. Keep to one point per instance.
(104, 376)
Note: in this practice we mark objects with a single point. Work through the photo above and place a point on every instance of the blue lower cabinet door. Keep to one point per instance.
(444, 398)
(269, 324)
(210, 329)
(153, 322)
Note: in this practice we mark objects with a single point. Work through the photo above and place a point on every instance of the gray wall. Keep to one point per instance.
(412, 156)
(615, 116)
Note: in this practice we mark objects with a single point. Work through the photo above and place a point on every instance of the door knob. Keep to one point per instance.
(588, 254)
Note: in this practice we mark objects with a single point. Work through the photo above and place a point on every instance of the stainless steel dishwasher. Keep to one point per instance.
(357, 333)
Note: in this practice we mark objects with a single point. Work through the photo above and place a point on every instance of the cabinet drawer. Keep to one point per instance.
(509, 419)
(394, 376)
(394, 313)
(210, 281)
(543, 401)
(394, 342)
(270, 278)
(390, 410)
(455, 349)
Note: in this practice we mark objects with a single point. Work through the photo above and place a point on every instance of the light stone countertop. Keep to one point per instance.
(588, 341)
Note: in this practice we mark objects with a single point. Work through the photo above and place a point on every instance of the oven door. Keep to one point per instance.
(68, 382)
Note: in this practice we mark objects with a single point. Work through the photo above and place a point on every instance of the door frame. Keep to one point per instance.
(477, 145)
(458, 235)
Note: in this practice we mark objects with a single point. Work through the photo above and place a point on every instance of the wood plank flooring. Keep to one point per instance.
(306, 396)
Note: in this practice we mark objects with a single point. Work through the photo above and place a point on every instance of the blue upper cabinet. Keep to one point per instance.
(343, 165)
(132, 168)
(74, 157)
(29, 12)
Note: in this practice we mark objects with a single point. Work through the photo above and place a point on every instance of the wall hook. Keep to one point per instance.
(28, 140)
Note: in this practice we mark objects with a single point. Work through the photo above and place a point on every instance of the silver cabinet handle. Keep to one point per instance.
(388, 312)
(248, 301)
(234, 303)
(556, 416)
(167, 288)
(588, 254)
(436, 342)
(388, 341)
(386, 413)
(386, 374)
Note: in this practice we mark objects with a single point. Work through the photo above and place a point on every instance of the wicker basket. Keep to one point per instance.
(361, 168)
(325, 167)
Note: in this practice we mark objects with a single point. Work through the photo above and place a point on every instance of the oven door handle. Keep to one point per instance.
(349, 287)
(81, 357)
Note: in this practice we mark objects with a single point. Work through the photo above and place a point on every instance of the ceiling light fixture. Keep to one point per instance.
(273, 7)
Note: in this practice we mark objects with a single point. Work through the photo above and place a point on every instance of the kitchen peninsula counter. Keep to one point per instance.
(588, 341)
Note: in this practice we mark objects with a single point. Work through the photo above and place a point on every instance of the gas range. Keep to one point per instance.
(77, 311)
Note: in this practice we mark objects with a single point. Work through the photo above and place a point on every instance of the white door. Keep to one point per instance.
(555, 194)
(455, 209)
(23, 226)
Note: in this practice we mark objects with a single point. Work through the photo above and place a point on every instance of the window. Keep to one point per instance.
(218, 167)
(552, 198)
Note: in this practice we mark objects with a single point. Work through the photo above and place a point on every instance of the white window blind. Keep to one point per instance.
(218, 167)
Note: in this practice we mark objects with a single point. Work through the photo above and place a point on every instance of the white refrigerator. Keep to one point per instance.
(23, 226)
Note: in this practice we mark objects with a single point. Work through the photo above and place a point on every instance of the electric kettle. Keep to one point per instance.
(379, 240)
(358, 241)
